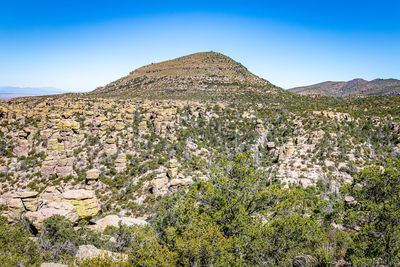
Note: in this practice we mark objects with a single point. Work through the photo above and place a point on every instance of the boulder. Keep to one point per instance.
(159, 186)
(304, 261)
(173, 169)
(64, 171)
(286, 151)
(51, 194)
(85, 201)
(92, 174)
(54, 208)
(172, 173)
(342, 263)
(271, 145)
(31, 204)
(110, 140)
(121, 159)
(25, 194)
(142, 127)
(119, 126)
(259, 127)
(78, 194)
(175, 184)
(181, 182)
(14, 207)
(21, 147)
(349, 200)
(52, 264)
(114, 220)
(89, 251)
(110, 149)
(15, 203)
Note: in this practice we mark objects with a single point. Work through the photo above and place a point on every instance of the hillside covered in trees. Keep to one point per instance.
(198, 162)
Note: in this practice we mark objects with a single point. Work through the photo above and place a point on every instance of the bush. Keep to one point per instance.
(375, 215)
(16, 248)
(59, 240)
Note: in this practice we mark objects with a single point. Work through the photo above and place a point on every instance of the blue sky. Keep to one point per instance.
(79, 45)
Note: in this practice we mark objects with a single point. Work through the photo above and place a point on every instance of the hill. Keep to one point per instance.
(201, 75)
(385, 87)
(219, 164)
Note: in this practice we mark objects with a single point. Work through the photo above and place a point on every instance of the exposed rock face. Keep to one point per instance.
(89, 251)
(92, 174)
(110, 146)
(51, 194)
(85, 201)
(14, 205)
(159, 185)
(130, 141)
(115, 220)
(176, 183)
(173, 169)
(73, 204)
(120, 162)
(25, 194)
(286, 151)
(21, 148)
(260, 127)
(54, 208)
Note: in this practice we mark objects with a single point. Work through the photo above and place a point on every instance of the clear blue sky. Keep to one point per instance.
(79, 45)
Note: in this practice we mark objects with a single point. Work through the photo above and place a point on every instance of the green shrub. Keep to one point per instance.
(16, 248)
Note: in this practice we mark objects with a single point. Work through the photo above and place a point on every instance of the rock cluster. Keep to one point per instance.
(73, 204)
(85, 202)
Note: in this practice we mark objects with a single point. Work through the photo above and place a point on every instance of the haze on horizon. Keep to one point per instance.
(78, 45)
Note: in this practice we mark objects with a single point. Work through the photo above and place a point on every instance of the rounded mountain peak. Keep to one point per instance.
(198, 64)
(203, 74)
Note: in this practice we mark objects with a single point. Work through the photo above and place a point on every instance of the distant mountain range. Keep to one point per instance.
(385, 87)
(7, 92)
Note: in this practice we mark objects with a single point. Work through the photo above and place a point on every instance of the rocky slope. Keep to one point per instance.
(386, 87)
(128, 152)
(205, 75)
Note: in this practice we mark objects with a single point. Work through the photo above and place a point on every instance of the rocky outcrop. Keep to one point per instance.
(89, 251)
(173, 169)
(115, 220)
(175, 184)
(92, 176)
(72, 204)
(120, 162)
(85, 201)
(53, 208)
(159, 186)
(286, 151)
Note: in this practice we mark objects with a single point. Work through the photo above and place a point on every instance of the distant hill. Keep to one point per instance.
(386, 87)
(7, 92)
(205, 73)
